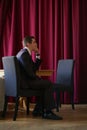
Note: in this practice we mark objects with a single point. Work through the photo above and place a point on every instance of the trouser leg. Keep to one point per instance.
(47, 88)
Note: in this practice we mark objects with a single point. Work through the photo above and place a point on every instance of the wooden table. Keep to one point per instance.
(41, 72)
(44, 72)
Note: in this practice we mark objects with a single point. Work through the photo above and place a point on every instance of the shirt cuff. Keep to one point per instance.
(38, 56)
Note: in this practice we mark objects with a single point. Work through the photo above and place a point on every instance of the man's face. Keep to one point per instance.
(34, 44)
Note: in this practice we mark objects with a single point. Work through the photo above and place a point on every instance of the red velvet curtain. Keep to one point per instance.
(60, 27)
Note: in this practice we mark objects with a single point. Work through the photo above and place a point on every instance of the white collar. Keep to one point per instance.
(28, 50)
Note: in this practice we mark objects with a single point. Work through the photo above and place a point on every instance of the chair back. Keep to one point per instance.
(12, 75)
(65, 72)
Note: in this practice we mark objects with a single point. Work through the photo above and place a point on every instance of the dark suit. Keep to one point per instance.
(31, 80)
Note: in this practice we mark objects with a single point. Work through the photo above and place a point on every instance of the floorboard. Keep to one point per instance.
(72, 120)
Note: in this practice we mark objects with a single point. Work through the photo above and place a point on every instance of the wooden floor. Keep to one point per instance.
(72, 120)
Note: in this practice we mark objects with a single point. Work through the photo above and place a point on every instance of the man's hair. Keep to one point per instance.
(27, 39)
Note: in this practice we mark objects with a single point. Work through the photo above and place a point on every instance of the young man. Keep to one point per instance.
(30, 80)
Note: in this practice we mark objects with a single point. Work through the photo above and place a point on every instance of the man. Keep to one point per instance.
(30, 80)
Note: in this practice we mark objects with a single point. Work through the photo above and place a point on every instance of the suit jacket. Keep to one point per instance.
(27, 68)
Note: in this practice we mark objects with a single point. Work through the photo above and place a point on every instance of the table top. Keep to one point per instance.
(41, 72)
(44, 72)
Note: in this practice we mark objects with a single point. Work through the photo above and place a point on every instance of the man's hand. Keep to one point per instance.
(36, 50)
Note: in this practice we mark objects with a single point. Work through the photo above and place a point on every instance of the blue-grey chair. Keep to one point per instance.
(13, 85)
(65, 80)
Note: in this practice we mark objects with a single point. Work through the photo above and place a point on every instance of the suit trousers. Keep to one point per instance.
(47, 88)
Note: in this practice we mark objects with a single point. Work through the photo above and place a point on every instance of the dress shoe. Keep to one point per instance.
(37, 110)
(37, 113)
(51, 116)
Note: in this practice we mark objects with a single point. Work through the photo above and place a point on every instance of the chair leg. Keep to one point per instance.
(72, 100)
(59, 103)
(42, 98)
(5, 107)
(57, 100)
(27, 104)
(16, 108)
(63, 97)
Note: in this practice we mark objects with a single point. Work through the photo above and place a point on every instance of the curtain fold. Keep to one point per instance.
(60, 28)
